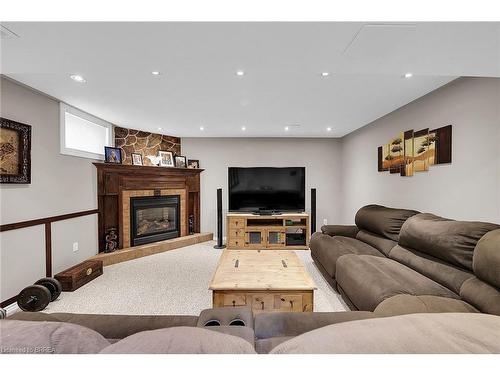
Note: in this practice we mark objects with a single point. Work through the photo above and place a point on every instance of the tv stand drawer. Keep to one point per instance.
(236, 223)
(237, 233)
(236, 243)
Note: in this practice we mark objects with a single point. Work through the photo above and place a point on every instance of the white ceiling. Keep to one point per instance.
(282, 85)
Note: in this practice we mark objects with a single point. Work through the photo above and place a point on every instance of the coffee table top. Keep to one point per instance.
(261, 270)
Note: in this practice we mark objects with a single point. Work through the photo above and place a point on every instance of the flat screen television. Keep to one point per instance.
(266, 188)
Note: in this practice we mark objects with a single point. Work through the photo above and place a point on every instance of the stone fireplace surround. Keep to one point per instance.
(117, 183)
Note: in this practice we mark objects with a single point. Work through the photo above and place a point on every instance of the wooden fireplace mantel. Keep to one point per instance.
(115, 179)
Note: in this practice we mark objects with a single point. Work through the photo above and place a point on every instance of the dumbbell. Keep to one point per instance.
(37, 296)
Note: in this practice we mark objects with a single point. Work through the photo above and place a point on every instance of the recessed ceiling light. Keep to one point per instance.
(286, 128)
(408, 75)
(77, 78)
(240, 73)
(325, 74)
(243, 128)
(155, 73)
(328, 129)
(202, 128)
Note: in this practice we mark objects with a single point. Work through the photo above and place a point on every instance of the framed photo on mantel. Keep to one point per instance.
(15, 152)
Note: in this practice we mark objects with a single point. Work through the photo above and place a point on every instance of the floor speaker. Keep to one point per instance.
(313, 211)
(219, 220)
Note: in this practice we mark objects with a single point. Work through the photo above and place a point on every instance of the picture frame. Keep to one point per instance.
(15, 163)
(193, 164)
(180, 161)
(112, 155)
(136, 158)
(166, 158)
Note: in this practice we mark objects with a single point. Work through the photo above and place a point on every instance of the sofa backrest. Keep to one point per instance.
(449, 240)
(384, 221)
(486, 259)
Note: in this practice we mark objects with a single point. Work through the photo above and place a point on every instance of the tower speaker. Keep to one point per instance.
(313, 211)
(219, 220)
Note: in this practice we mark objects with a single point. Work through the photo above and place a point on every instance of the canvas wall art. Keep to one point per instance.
(409, 149)
(415, 151)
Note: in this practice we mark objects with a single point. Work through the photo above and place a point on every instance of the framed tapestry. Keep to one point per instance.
(15, 152)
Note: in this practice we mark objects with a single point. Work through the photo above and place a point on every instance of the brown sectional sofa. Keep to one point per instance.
(399, 266)
(275, 333)
(396, 260)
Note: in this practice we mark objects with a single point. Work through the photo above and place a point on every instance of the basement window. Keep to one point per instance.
(82, 134)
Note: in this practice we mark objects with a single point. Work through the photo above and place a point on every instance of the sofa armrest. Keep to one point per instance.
(278, 324)
(340, 230)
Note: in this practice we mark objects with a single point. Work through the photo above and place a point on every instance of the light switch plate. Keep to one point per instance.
(75, 247)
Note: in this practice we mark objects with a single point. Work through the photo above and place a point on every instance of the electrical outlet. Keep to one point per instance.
(75, 247)
(325, 221)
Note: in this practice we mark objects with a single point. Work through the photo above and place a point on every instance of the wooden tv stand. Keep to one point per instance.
(289, 231)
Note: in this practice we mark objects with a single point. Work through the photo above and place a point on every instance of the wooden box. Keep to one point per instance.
(76, 276)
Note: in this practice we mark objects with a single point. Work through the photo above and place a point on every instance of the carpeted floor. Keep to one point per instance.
(173, 282)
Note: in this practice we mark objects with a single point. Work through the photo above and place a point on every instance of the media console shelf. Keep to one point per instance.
(288, 231)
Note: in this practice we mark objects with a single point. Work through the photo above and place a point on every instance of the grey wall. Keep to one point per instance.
(344, 172)
(321, 157)
(469, 188)
(59, 185)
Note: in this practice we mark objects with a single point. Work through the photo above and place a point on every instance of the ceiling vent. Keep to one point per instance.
(6, 33)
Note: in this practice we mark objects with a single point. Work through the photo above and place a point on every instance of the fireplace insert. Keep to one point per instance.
(154, 218)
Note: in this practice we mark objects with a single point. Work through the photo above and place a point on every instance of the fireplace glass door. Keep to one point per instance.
(154, 219)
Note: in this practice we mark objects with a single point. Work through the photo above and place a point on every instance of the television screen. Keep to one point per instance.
(265, 188)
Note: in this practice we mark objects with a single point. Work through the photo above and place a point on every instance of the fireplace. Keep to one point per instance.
(154, 218)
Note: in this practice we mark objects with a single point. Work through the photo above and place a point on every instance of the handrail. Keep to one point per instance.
(45, 220)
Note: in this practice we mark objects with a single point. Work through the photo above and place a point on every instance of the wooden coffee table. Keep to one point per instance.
(265, 280)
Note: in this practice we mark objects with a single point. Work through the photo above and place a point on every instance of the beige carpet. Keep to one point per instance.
(174, 282)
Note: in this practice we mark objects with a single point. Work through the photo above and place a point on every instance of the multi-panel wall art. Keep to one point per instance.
(414, 151)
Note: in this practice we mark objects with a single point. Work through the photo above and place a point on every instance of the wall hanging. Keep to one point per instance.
(415, 151)
(15, 152)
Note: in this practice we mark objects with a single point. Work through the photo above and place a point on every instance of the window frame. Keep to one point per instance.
(65, 108)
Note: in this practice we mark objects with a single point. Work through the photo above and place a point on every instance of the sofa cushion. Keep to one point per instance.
(406, 334)
(327, 250)
(112, 327)
(383, 221)
(449, 240)
(264, 346)
(486, 259)
(380, 243)
(436, 269)
(408, 304)
(481, 295)
(180, 340)
(23, 337)
(369, 280)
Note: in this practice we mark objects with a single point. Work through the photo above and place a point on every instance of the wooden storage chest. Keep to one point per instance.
(76, 276)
